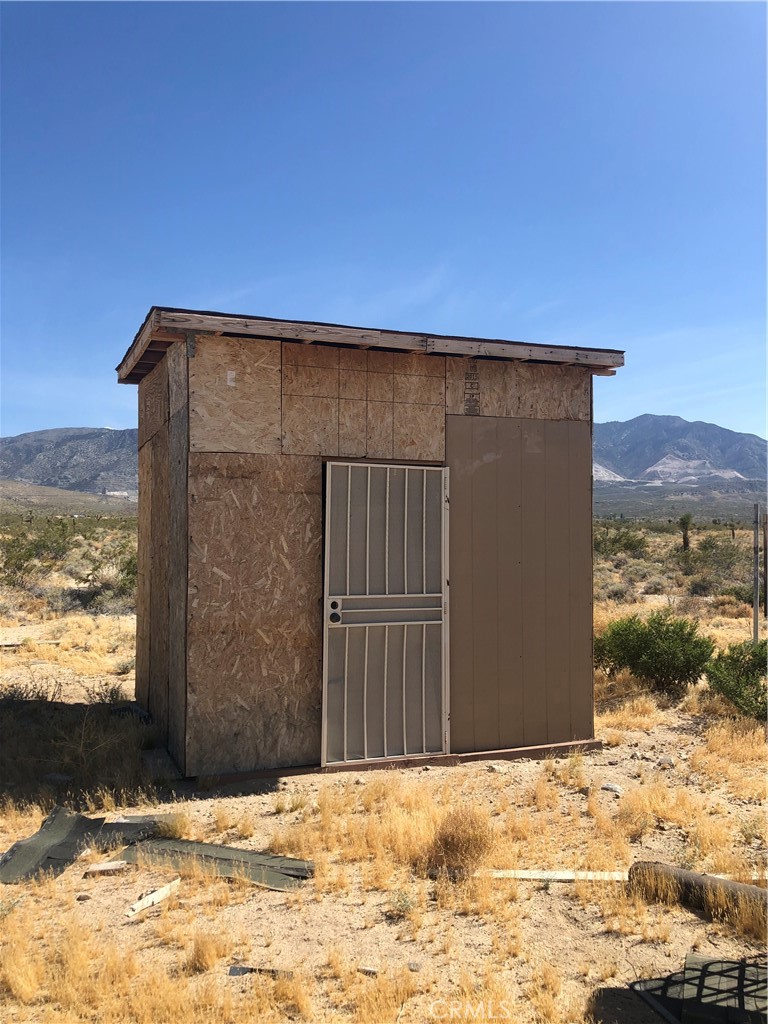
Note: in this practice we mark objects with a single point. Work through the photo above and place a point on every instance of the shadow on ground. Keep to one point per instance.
(620, 1006)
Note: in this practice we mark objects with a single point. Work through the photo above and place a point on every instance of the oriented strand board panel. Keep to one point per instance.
(521, 581)
(178, 453)
(153, 402)
(234, 395)
(254, 613)
(362, 404)
(489, 387)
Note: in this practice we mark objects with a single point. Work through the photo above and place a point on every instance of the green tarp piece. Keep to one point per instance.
(260, 868)
(65, 834)
(710, 992)
(61, 839)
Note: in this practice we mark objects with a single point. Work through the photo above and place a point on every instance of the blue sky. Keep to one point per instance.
(588, 174)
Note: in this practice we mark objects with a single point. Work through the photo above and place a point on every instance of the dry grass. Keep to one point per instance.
(462, 841)
(207, 949)
(635, 714)
(734, 754)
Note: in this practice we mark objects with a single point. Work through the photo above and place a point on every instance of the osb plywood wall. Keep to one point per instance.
(162, 551)
(232, 437)
(254, 616)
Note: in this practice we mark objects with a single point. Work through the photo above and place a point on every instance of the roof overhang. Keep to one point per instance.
(164, 325)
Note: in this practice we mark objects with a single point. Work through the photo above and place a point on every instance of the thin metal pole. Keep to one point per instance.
(423, 530)
(405, 535)
(365, 696)
(423, 688)
(405, 731)
(349, 522)
(386, 658)
(386, 539)
(346, 661)
(367, 529)
(756, 574)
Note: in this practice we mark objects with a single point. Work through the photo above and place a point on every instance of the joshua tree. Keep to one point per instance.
(684, 522)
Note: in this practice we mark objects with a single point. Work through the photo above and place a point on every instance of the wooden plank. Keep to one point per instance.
(144, 575)
(523, 874)
(106, 867)
(458, 453)
(153, 898)
(534, 540)
(580, 568)
(234, 396)
(509, 643)
(485, 581)
(557, 571)
(338, 334)
(178, 455)
(158, 594)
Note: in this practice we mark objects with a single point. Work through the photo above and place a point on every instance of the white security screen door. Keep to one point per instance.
(385, 658)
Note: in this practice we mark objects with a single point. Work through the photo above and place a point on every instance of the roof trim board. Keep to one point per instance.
(163, 325)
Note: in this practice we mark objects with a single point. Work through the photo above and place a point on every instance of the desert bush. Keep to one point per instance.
(702, 585)
(656, 585)
(104, 692)
(619, 540)
(730, 606)
(739, 674)
(667, 652)
(463, 838)
(621, 593)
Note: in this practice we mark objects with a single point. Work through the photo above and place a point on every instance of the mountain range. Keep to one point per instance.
(647, 451)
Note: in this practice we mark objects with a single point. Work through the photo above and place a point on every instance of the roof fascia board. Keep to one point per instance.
(173, 320)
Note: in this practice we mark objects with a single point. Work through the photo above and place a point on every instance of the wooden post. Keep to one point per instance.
(756, 574)
(765, 564)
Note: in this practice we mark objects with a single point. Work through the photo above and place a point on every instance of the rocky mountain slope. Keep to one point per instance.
(670, 449)
(650, 450)
(92, 459)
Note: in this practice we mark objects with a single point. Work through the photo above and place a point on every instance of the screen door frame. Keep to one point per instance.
(444, 689)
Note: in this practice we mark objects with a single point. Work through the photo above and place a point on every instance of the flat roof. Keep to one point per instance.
(164, 325)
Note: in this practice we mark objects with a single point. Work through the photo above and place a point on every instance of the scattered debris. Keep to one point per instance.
(153, 898)
(665, 763)
(414, 965)
(262, 869)
(695, 890)
(370, 972)
(106, 867)
(238, 970)
(83, 897)
(524, 874)
(612, 787)
(61, 839)
(64, 836)
(727, 991)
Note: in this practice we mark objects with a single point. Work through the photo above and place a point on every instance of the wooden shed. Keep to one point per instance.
(360, 545)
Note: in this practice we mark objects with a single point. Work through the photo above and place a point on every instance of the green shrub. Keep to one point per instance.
(667, 652)
(739, 674)
(620, 540)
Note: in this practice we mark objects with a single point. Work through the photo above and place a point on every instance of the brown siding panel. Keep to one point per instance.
(520, 568)
(509, 584)
(462, 637)
(153, 402)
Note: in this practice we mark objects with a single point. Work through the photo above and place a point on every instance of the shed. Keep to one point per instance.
(360, 546)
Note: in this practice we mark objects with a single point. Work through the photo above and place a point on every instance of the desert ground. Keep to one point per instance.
(691, 776)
